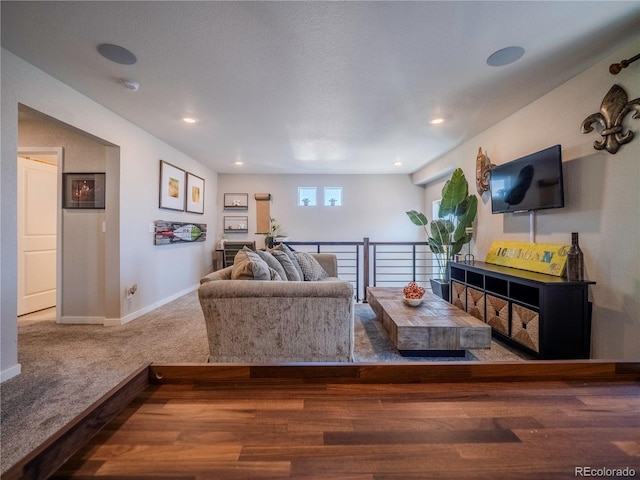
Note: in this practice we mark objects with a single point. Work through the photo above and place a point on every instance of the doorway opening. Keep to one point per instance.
(86, 285)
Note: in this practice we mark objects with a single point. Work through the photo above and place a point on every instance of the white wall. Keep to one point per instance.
(374, 206)
(162, 273)
(602, 195)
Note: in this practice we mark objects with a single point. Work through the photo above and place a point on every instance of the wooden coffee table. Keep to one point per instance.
(435, 328)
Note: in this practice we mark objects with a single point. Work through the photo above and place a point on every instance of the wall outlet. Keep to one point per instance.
(131, 290)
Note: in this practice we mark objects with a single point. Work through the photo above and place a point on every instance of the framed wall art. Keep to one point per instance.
(167, 232)
(195, 193)
(172, 187)
(236, 201)
(236, 224)
(84, 190)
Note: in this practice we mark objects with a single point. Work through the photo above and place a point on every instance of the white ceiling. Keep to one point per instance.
(316, 87)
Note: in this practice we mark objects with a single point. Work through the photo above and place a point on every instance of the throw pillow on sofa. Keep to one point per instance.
(284, 248)
(247, 265)
(258, 262)
(287, 264)
(293, 259)
(273, 263)
(275, 275)
(311, 269)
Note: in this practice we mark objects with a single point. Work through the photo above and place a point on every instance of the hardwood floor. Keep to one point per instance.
(205, 422)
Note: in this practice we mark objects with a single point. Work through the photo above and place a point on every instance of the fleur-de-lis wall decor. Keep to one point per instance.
(615, 106)
(483, 167)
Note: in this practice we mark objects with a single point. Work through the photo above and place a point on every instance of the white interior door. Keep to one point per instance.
(37, 220)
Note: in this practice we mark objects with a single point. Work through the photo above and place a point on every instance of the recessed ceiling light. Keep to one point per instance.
(397, 163)
(117, 54)
(189, 120)
(436, 121)
(238, 162)
(505, 56)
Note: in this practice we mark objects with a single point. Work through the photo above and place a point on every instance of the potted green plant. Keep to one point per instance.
(270, 236)
(274, 235)
(447, 234)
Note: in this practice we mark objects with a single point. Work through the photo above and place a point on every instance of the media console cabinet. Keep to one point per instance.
(546, 316)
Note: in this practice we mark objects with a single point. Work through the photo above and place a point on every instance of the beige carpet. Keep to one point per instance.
(65, 368)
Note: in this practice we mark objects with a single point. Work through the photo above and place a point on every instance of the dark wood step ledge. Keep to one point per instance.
(51, 455)
(46, 459)
(406, 372)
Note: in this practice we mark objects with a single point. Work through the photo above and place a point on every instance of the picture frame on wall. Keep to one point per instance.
(172, 187)
(170, 232)
(236, 201)
(84, 190)
(195, 194)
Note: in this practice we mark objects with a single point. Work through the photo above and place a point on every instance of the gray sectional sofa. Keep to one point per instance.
(266, 321)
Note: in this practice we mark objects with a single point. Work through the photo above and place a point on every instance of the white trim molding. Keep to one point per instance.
(10, 372)
(116, 322)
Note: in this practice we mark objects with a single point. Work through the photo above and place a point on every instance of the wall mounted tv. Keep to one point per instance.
(533, 182)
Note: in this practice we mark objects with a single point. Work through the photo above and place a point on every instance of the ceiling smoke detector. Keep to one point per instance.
(130, 84)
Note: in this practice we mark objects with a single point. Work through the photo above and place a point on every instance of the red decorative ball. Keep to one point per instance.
(413, 290)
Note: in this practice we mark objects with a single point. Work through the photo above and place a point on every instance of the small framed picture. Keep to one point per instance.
(84, 190)
(236, 201)
(236, 224)
(195, 193)
(172, 187)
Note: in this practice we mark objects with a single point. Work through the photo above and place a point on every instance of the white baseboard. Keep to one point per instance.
(10, 372)
(68, 320)
(114, 322)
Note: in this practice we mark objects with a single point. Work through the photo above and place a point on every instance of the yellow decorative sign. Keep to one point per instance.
(549, 258)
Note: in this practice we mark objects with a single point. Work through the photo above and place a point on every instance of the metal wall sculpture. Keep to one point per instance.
(483, 167)
(615, 106)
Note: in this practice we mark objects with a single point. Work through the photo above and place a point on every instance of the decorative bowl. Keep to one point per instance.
(413, 302)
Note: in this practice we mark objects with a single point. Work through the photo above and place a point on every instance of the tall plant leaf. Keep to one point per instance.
(454, 192)
(441, 231)
(466, 218)
(417, 218)
(456, 248)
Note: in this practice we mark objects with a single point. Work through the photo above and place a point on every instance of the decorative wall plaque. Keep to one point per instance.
(168, 232)
(483, 167)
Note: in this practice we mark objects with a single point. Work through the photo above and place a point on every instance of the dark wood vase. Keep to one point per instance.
(440, 288)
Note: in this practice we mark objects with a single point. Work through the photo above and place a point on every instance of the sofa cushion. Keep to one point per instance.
(290, 270)
(273, 263)
(247, 265)
(312, 271)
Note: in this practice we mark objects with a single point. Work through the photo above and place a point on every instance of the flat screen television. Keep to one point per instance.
(533, 182)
